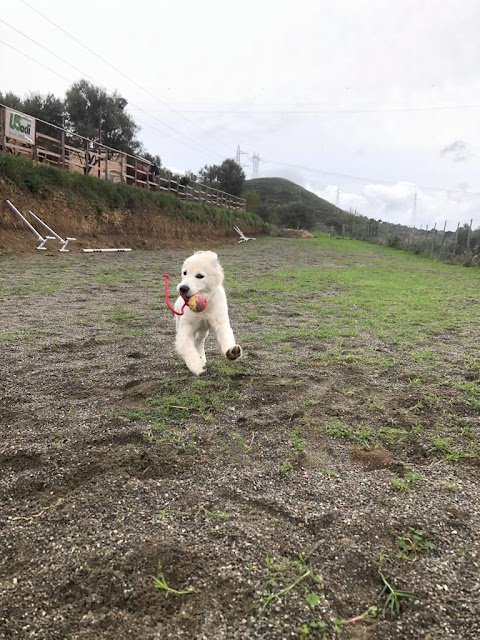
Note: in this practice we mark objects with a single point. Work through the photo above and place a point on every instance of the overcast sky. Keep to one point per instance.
(386, 90)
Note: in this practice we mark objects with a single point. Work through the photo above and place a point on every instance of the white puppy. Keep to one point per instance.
(202, 273)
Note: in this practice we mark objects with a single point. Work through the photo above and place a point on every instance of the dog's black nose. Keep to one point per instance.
(184, 289)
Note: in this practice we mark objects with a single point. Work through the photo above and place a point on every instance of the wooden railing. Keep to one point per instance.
(77, 154)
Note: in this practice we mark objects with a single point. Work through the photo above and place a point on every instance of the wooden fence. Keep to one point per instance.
(23, 135)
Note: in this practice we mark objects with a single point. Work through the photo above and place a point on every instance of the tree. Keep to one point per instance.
(153, 159)
(228, 177)
(191, 177)
(11, 100)
(95, 114)
(253, 199)
(296, 215)
(48, 108)
(208, 176)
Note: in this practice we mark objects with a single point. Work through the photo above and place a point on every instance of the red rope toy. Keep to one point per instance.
(195, 303)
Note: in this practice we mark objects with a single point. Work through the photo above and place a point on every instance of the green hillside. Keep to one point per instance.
(278, 191)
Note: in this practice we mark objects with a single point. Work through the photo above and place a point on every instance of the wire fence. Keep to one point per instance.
(461, 245)
(29, 137)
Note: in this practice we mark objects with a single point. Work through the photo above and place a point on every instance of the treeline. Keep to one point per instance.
(317, 215)
(90, 111)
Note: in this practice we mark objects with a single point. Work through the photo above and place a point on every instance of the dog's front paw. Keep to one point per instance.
(234, 352)
(197, 370)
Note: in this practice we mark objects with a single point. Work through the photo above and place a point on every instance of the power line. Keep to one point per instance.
(48, 50)
(105, 61)
(34, 60)
(323, 111)
(371, 180)
(67, 79)
(94, 80)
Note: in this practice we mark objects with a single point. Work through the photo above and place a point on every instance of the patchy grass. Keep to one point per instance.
(349, 428)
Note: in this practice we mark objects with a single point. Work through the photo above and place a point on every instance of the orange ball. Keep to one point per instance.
(197, 303)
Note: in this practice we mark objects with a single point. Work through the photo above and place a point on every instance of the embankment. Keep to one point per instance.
(101, 214)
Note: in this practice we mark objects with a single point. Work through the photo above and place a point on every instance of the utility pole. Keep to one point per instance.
(238, 158)
(414, 210)
(337, 198)
(255, 162)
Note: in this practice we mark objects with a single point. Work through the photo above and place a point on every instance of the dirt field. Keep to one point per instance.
(273, 498)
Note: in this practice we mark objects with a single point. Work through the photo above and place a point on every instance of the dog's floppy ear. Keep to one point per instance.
(209, 254)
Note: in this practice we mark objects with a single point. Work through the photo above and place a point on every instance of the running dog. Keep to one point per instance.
(203, 274)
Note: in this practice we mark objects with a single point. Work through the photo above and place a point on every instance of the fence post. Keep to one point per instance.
(456, 239)
(106, 165)
(433, 239)
(62, 152)
(3, 124)
(122, 176)
(469, 235)
(87, 159)
(443, 239)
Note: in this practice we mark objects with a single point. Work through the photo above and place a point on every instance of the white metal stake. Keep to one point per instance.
(41, 246)
(243, 237)
(104, 250)
(59, 238)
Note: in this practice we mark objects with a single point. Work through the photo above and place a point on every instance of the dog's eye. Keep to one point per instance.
(184, 273)
(199, 275)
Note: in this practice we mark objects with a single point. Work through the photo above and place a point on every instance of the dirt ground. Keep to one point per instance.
(118, 466)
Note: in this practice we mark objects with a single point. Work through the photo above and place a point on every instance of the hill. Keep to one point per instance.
(278, 191)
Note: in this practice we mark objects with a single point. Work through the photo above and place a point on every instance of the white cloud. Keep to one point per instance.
(394, 203)
(458, 151)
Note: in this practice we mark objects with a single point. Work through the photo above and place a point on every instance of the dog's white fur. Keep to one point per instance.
(202, 273)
